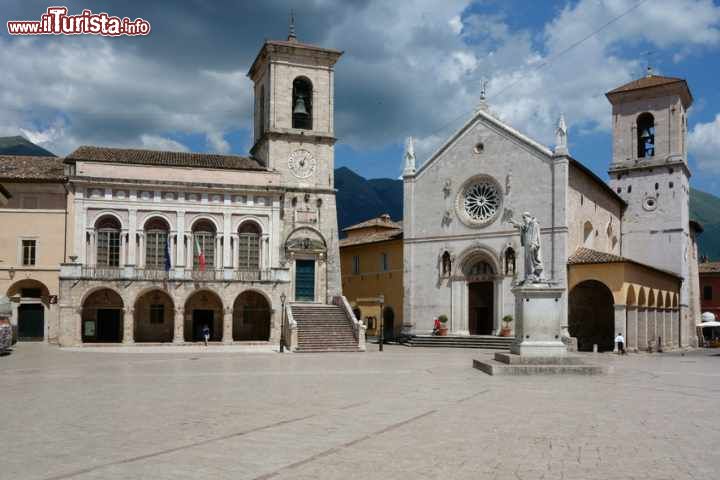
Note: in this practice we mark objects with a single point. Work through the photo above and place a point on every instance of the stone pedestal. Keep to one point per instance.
(538, 321)
(538, 346)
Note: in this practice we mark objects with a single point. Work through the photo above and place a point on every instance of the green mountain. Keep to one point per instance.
(705, 208)
(359, 199)
(21, 146)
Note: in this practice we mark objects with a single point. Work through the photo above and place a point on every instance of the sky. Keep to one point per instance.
(410, 68)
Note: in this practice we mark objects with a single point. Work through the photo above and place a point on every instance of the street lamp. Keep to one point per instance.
(381, 298)
(283, 297)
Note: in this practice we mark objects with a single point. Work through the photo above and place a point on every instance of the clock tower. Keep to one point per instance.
(294, 137)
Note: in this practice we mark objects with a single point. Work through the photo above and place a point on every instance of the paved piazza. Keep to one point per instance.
(403, 413)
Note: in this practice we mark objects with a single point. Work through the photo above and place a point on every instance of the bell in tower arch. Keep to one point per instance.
(302, 103)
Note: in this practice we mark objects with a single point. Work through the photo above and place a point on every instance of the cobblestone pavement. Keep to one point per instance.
(403, 413)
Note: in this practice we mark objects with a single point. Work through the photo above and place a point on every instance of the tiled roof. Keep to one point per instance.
(380, 222)
(584, 256)
(361, 239)
(646, 82)
(587, 255)
(164, 159)
(31, 169)
(653, 81)
(709, 267)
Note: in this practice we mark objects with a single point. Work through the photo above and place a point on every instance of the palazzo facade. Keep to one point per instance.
(624, 251)
(167, 243)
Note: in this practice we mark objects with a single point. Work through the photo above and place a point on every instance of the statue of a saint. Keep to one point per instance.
(530, 240)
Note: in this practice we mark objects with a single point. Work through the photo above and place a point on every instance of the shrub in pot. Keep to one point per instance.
(506, 331)
(443, 325)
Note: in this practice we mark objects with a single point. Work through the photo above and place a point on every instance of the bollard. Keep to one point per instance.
(594, 347)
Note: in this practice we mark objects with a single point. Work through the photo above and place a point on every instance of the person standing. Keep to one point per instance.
(206, 333)
(620, 341)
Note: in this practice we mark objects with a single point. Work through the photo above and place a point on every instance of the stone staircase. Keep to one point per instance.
(323, 328)
(461, 341)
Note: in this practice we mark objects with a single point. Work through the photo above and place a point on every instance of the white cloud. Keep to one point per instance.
(704, 145)
(156, 142)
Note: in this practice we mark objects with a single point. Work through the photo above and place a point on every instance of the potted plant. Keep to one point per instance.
(443, 325)
(506, 331)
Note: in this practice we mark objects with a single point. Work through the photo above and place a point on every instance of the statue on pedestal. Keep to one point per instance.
(530, 240)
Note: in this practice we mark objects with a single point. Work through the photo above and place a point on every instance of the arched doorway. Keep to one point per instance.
(481, 305)
(203, 308)
(102, 317)
(34, 298)
(592, 316)
(388, 322)
(154, 314)
(251, 317)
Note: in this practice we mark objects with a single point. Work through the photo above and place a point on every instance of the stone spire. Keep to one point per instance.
(409, 156)
(291, 34)
(561, 146)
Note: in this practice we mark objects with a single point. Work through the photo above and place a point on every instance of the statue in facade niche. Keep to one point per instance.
(530, 240)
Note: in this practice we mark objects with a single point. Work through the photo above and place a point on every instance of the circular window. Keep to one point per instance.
(479, 147)
(650, 204)
(478, 201)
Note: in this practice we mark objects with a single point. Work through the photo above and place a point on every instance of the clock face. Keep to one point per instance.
(302, 163)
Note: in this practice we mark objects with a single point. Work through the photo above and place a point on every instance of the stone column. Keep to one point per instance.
(132, 243)
(235, 258)
(128, 324)
(180, 246)
(179, 326)
(227, 260)
(642, 337)
(652, 327)
(631, 339)
(619, 325)
(675, 320)
(123, 248)
(227, 325)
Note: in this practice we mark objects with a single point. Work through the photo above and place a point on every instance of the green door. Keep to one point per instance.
(31, 322)
(305, 280)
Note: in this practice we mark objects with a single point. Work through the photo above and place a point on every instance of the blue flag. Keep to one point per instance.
(168, 265)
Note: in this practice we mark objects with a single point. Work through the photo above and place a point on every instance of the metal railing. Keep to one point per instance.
(160, 274)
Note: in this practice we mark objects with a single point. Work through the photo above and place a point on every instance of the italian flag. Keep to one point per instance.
(200, 254)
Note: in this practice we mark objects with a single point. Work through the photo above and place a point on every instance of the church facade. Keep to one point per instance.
(168, 244)
(623, 251)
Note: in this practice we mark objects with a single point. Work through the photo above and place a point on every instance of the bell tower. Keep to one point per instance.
(293, 131)
(649, 170)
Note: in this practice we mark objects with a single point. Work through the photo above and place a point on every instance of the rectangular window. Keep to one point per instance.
(108, 248)
(384, 267)
(356, 264)
(707, 292)
(207, 245)
(249, 251)
(155, 249)
(29, 251)
(157, 313)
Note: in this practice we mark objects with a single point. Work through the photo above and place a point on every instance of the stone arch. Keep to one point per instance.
(34, 303)
(254, 219)
(642, 297)
(661, 299)
(107, 213)
(311, 233)
(154, 313)
(668, 300)
(203, 307)
(476, 252)
(205, 218)
(652, 299)
(591, 316)
(252, 316)
(645, 125)
(631, 297)
(103, 312)
(155, 216)
(675, 300)
(17, 288)
(302, 103)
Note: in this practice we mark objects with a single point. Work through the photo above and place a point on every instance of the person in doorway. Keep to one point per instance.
(206, 333)
(620, 341)
(436, 327)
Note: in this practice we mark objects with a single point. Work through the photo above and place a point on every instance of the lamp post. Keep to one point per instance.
(283, 297)
(381, 298)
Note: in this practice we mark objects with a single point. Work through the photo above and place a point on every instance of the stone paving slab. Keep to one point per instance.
(403, 413)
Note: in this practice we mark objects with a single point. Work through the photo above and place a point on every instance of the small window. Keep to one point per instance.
(29, 252)
(629, 190)
(479, 147)
(657, 186)
(707, 292)
(384, 267)
(157, 313)
(619, 190)
(671, 185)
(356, 264)
(645, 135)
(302, 93)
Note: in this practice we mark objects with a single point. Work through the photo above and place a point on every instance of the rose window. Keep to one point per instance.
(479, 201)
